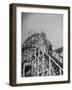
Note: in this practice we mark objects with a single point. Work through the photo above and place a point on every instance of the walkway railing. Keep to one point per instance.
(55, 61)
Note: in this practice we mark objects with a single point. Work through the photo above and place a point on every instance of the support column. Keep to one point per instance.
(60, 71)
(43, 65)
(50, 66)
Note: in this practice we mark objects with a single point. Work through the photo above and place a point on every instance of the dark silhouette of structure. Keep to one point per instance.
(38, 58)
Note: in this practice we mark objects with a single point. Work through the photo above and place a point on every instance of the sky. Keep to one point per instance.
(51, 24)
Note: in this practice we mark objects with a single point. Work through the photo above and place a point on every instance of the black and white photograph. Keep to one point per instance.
(40, 44)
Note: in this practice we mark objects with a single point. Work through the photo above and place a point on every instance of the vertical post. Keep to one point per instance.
(23, 70)
(38, 62)
(60, 71)
(49, 66)
(32, 70)
(43, 65)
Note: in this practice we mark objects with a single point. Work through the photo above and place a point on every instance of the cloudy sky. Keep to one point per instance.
(51, 24)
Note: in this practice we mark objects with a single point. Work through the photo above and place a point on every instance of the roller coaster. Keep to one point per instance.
(38, 58)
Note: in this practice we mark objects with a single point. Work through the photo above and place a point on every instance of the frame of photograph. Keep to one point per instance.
(16, 9)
